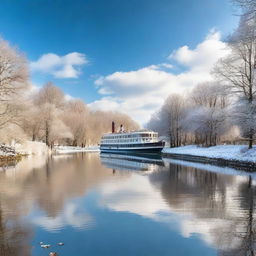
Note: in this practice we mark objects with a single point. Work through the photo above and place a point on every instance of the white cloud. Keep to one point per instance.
(142, 199)
(204, 55)
(72, 215)
(177, 212)
(68, 97)
(141, 92)
(67, 66)
(107, 104)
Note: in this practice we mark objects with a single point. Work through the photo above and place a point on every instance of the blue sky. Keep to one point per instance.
(103, 51)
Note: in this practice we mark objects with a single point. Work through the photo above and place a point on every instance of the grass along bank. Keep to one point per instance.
(8, 155)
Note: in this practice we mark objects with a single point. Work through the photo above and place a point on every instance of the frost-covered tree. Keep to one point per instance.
(238, 69)
(59, 131)
(76, 117)
(173, 112)
(208, 115)
(49, 101)
(244, 115)
(32, 120)
(168, 121)
(248, 6)
(200, 117)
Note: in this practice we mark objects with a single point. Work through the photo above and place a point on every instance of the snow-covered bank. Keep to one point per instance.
(31, 148)
(68, 149)
(7, 151)
(35, 148)
(15, 152)
(227, 152)
(8, 155)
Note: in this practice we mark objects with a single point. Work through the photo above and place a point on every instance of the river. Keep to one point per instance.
(125, 205)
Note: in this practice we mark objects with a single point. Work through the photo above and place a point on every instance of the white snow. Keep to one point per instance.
(26, 148)
(32, 148)
(40, 148)
(69, 149)
(6, 150)
(230, 152)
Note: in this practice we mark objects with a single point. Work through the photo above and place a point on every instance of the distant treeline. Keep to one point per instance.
(44, 114)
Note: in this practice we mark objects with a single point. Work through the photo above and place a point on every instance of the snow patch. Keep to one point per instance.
(69, 149)
(229, 152)
(7, 151)
(32, 148)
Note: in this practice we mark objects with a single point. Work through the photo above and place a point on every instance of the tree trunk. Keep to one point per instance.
(75, 143)
(47, 133)
(250, 139)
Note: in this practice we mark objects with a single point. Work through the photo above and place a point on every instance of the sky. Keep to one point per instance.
(119, 55)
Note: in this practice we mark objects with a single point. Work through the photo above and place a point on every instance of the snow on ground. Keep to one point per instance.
(32, 148)
(69, 149)
(231, 152)
(6, 151)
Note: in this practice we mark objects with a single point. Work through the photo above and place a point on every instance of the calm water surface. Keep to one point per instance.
(116, 205)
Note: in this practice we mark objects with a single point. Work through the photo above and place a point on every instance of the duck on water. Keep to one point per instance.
(141, 141)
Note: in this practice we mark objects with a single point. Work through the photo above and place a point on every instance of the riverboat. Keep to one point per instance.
(142, 141)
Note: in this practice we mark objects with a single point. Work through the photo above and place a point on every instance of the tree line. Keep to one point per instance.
(44, 114)
(213, 110)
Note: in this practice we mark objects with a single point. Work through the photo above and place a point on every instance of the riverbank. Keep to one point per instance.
(235, 156)
(69, 149)
(8, 155)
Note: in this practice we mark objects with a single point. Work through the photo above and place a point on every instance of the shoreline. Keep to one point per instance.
(71, 149)
(233, 156)
(6, 160)
(236, 164)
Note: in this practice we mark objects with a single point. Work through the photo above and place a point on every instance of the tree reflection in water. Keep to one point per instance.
(246, 231)
(13, 238)
(14, 234)
(222, 203)
(215, 206)
(44, 183)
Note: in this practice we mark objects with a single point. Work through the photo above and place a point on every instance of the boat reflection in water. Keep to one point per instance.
(146, 208)
(131, 162)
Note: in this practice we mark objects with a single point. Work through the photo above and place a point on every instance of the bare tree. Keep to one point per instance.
(76, 116)
(238, 69)
(13, 80)
(200, 117)
(168, 120)
(208, 116)
(174, 110)
(49, 100)
(100, 122)
(248, 6)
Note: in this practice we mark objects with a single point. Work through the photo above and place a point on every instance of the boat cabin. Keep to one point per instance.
(130, 137)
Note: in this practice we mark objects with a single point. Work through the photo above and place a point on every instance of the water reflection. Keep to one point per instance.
(77, 196)
(14, 237)
(44, 186)
(138, 162)
(219, 207)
